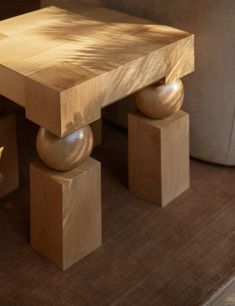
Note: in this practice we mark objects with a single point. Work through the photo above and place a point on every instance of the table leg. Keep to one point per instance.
(65, 197)
(159, 144)
(9, 174)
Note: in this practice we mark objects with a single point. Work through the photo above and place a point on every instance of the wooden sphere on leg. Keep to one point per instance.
(160, 101)
(64, 153)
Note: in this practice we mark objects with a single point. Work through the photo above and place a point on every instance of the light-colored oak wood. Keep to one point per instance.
(161, 100)
(65, 153)
(158, 156)
(78, 63)
(2, 36)
(9, 177)
(66, 212)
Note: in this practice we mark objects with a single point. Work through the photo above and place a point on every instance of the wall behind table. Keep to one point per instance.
(210, 91)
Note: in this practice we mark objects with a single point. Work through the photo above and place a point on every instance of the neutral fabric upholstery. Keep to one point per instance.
(210, 91)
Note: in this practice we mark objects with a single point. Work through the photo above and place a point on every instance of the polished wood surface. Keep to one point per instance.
(158, 156)
(65, 153)
(9, 177)
(161, 100)
(66, 212)
(78, 63)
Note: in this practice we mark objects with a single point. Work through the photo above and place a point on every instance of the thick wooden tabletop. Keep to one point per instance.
(64, 67)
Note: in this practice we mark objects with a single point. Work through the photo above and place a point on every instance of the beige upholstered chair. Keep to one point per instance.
(210, 91)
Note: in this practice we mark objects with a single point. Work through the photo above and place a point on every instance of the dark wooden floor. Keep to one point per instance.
(179, 255)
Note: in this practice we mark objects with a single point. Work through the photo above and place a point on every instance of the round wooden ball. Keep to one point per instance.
(161, 101)
(64, 153)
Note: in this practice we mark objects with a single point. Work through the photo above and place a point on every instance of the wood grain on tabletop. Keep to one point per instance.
(78, 63)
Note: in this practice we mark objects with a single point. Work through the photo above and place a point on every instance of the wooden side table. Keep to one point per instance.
(63, 68)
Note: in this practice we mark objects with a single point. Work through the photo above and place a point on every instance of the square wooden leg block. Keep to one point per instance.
(9, 176)
(159, 168)
(66, 212)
